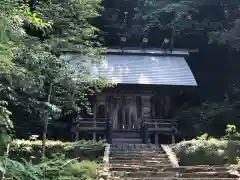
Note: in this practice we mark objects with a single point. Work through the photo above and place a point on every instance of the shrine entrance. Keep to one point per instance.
(125, 113)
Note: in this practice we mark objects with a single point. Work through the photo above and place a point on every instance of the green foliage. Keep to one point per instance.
(21, 171)
(10, 34)
(229, 36)
(33, 19)
(71, 29)
(5, 121)
(84, 169)
(34, 80)
(231, 133)
(63, 169)
(65, 160)
(206, 150)
(58, 167)
(198, 119)
(31, 150)
(6, 125)
(162, 14)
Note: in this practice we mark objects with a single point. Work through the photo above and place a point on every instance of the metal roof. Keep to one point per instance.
(139, 69)
(150, 52)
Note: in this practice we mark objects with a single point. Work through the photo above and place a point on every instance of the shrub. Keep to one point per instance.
(31, 150)
(19, 170)
(88, 168)
(56, 169)
(207, 152)
(69, 169)
(231, 133)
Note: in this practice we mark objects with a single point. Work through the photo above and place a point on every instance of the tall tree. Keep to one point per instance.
(48, 83)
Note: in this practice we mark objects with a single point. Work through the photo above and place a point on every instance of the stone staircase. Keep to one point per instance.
(148, 162)
(127, 138)
(138, 161)
(205, 172)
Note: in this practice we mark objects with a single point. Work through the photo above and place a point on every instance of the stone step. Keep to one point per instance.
(142, 174)
(161, 167)
(163, 162)
(138, 160)
(136, 168)
(128, 141)
(168, 178)
(137, 153)
(212, 174)
(134, 151)
(126, 146)
(120, 159)
(126, 134)
(135, 141)
(142, 155)
(184, 169)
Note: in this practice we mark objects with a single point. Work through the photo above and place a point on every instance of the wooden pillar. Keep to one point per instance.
(167, 106)
(145, 115)
(114, 112)
(146, 106)
(173, 139)
(94, 136)
(156, 138)
(109, 132)
(94, 110)
(77, 136)
(139, 108)
(145, 132)
(152, 107)
(123, 112)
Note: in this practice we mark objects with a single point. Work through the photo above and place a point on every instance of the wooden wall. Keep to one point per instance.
(125, 108)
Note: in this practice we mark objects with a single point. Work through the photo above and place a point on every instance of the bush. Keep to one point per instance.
(55, 169)
(31, 150)
(65, 160)
(69, 169)
(86, 168)
(207, 152)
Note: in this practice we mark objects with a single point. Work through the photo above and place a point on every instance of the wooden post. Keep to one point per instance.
(152, 107)
(94, 118)
(94, 136)
(77, 136)
(173, 139)
(173, 134)
(156, 138)
(146, 106)
(145, 132)
(109, 131)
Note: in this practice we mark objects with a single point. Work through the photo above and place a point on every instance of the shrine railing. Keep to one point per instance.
(155, 124)
(87, 124)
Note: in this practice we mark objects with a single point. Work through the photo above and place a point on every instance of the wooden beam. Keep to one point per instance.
(116, 94)
(94, 113)
(150, 51)
(156, 138)
(94, 118)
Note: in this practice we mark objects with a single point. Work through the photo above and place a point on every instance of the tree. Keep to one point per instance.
(160, 19)
(48, 85)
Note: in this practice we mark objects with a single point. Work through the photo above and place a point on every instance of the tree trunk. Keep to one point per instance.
(46, 121)
(44, 137)
(173, 36)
